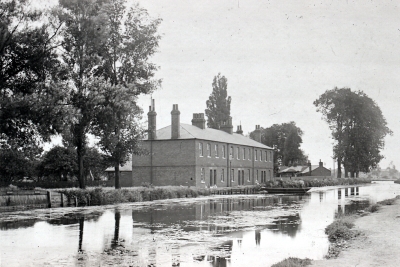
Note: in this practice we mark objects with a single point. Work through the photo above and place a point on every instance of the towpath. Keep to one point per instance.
(379, 245)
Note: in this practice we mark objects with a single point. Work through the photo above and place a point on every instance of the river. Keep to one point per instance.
(245, 230)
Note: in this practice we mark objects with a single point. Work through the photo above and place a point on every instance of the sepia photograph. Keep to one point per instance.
(227, 133)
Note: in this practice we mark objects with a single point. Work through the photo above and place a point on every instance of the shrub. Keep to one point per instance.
(374, 208)
(340, 229)
(293, 262)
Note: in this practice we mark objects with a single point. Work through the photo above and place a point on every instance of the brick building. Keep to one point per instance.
(193, 155)
(308, 170)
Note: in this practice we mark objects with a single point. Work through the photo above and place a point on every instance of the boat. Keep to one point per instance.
(273, 190)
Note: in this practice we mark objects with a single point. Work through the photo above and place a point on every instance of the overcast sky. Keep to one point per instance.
(278, 57)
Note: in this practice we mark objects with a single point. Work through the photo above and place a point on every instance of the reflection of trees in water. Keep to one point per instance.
(258, 237)
(287, 224)
(115, 241)
(81, 224)
(216, 261)
(17, 224)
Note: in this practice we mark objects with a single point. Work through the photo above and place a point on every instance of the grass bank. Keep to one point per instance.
(102, 196)
(298, 183)
(341, 230)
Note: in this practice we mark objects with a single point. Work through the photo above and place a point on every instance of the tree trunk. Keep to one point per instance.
(117, 185)
(81, 176)
(339, 168)
(346, 173)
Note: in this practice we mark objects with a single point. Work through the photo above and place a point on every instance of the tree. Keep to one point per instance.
(219, 103)
(59, 163)
(129, 73)
(358, 127)
(30, 69)
(286, 139)
(83, 40)
(14, 165)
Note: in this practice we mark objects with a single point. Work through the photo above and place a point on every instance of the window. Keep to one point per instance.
(270, 156)
(232, 175)
(231, 152)
(249, 153)
(216, 151)
(269, 174)
(260, 155)
(201, 149)
(223, 152)
(248, 177)
(208, 150)
(244, 153)
(257, 175)
(222, 175)
(239, 180)
(237, 153)
(255, 155)
(266, 156)
(202, 175)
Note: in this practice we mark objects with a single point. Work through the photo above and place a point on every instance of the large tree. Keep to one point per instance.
(219, 103)
(29, 73)
(83, 40)
(132, 40)
(358, 127)
(286, 140)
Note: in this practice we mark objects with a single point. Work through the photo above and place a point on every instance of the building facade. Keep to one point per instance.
(193, 155)
(309, 170)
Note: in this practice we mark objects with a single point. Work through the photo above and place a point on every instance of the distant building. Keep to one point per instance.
(308, 170)
(125, 175)
(193, 155)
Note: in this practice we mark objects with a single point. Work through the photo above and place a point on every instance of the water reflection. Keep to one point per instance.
(233, 231)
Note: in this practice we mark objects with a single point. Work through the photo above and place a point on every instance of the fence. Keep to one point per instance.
(11, 200)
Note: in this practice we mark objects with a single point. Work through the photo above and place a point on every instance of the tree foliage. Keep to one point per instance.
(358, 127)
(219, 103)
(83, 39)
(131, 39)
(60, 163)
(286, 140)
(29, 71)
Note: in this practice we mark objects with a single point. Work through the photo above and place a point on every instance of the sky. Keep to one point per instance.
(278, 57)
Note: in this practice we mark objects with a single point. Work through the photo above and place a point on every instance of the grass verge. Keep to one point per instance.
(99, 196)
(316, 182)
(341, 230)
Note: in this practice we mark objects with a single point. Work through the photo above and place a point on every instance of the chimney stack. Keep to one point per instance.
(175, 122)
(257, 134)
(309, 166)
(239, 130)
(226, 126)
(321, 164)
(198, 120)
(152, 122)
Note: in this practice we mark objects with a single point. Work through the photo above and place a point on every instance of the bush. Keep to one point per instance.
(293, 262)
(374, 208)
(340, 229)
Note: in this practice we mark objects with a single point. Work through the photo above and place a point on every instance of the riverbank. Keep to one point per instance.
(378, 243)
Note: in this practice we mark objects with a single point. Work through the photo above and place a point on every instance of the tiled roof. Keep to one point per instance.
(126, 168)
(193, 132)
(301, 169)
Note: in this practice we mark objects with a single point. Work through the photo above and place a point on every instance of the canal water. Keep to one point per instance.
(247, 230)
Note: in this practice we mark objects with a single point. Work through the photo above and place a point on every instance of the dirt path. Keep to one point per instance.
(379, 245)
